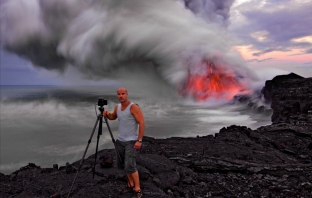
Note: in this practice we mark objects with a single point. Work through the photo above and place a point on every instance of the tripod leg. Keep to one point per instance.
(97, 142)
(114, 142)
(84, 154)
(109, 129)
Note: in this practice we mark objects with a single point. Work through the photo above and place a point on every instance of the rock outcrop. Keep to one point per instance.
(291, 99)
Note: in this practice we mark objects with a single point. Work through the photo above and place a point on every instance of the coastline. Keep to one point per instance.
(271, 161)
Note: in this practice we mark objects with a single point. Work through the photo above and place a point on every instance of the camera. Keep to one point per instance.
(102, 102)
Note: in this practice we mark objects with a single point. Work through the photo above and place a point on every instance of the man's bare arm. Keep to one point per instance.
(138, 116)
(111, 116)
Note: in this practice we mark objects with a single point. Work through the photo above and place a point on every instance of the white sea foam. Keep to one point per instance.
(45, 111)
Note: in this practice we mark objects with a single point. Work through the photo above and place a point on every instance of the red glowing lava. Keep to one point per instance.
(212, 82)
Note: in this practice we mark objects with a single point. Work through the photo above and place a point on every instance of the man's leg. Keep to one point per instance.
(135, 179)
(130, 180)
(130, 166)
(121, 162)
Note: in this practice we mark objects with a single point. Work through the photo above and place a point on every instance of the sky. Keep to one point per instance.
(271, 35)
(275, 34)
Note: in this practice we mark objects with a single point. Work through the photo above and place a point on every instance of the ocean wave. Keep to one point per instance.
(48, 110)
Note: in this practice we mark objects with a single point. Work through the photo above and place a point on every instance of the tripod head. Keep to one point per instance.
(101, 109)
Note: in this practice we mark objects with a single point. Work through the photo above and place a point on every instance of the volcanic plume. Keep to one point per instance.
(185, 42)
(210, 81)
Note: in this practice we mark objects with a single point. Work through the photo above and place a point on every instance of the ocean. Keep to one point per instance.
(49, 125)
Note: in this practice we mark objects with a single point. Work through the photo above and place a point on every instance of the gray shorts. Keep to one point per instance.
(127, 153)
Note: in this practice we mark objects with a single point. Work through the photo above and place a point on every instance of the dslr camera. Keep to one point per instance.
(102, 102)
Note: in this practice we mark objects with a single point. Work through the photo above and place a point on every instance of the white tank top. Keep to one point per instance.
(128, 127)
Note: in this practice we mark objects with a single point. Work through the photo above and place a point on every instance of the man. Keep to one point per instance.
(129, 116)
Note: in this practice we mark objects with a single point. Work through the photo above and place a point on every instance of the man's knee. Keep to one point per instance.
(130, 165)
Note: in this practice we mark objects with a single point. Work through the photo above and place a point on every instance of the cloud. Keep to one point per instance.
(260, 60)
(211, 10)
(309, 51)
(305, 67)
(273, 25)
(269, 50)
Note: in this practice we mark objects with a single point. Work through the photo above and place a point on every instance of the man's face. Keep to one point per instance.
(122, 95)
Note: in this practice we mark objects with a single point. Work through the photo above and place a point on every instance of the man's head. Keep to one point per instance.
(122, 94)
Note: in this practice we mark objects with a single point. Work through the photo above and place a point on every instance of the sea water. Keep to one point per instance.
(49, 125)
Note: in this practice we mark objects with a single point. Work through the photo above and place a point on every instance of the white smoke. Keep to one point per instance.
(100, 37)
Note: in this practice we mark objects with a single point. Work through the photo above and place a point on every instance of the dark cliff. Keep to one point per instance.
(291, 99)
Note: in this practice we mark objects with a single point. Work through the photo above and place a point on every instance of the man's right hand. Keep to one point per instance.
(110, 115)
(105, 113)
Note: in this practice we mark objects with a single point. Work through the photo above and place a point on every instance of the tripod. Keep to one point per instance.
(99, 121)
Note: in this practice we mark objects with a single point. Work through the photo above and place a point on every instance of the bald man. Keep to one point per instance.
(130, 134)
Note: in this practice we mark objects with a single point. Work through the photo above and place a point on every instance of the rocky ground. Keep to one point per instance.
(271, 161)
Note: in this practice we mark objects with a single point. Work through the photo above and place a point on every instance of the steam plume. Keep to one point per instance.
(99, 37)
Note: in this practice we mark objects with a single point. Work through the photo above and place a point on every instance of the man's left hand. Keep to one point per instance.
(137, 145)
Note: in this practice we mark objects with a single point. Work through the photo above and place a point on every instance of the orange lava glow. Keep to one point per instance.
(212, 82)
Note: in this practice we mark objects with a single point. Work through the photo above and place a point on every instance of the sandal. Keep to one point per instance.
(137, 194)
(127, 189)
